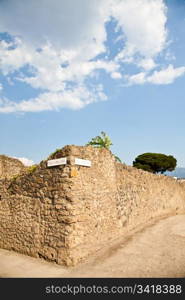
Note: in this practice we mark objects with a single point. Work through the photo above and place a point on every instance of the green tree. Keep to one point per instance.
(155, 162)
(102, 141)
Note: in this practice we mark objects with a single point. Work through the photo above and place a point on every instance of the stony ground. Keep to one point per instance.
(156, 251)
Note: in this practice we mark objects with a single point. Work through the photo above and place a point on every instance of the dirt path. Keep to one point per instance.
(156, 251)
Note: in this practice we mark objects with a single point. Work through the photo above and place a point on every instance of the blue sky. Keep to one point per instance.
(103, 65)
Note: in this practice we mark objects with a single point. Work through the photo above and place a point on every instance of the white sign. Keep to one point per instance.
(82, 162)
(57, 162)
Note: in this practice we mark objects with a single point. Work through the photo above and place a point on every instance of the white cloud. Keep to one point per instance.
(58, 42)
(27, 162)
(164, 76)
(56, 78)
(147, 64)
(143, 24)
(1, 87)
(116, 75)
(74, 99)
(145, 34)
(138, 78)
(65, 24)
(169, 56)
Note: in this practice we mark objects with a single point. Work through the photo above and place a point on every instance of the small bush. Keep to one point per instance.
(53, 154)
(32, 169)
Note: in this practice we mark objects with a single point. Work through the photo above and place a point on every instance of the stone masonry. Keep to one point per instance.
(10, 166)
(65, 213)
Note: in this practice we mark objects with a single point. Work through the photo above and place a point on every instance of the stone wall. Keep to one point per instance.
(10, 167)
(65, 213)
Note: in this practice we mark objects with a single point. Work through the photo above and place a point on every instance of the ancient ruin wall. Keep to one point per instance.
(32, 213)
(10, 166)
(113, 198)
(65, 213)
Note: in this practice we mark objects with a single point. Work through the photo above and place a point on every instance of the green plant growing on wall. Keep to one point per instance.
(31, 169)
(117, 159)
(101, 141)
(53, 153)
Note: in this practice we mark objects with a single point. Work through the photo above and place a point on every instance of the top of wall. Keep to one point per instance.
(81, 151)
(10, 167)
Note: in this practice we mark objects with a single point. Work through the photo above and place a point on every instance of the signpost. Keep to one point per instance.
(63, 161)
(57, 162)
(82, 162)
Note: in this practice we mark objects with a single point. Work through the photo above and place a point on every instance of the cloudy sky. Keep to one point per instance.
(72, 68)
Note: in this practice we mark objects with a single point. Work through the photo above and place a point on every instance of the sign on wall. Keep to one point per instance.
(57, 162)
(82, 162)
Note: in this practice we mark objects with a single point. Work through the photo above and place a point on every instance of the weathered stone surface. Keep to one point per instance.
(64, 215)
(10, 167)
